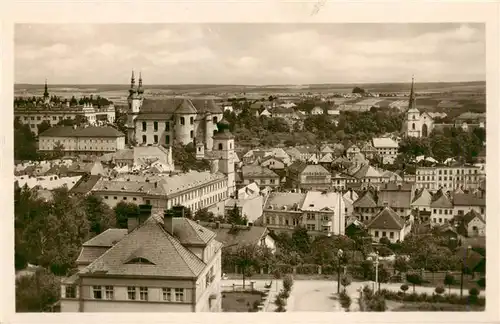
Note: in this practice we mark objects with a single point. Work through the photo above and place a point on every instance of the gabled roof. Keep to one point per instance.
(257, 171)
(327, 158)
(168, 256)
(467, 218)
(461, 199)
(243, 236)
(423, 198)
(367, 171)
(315, 168)
(442, 201)
(366, 201)
(386, 219)
(107, 238)
(326, 149)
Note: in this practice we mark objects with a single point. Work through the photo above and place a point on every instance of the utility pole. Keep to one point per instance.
(376, 271)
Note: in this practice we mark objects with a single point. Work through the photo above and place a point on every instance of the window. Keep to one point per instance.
(144, 139)
(179, 294)
(391, 235)
(110, 292)
(97, 292)
(191, 120)
(155, 139)
(220, 146)
(144, 126)
(326, 218)
(435, 211)
(124, 198)
(167, 294)
(311, 227)
(115, 197)
(440, 212)
(376, 233)
(183, 122)
(38, 118)
(413, 124)
(384, 234)
(134, 198)
(70, 292)
(143, 293)
(155, 126)
(148, 202)
(191, 134)
(167, 139)
(131, 293)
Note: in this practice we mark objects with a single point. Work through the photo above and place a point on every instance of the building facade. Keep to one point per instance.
(90, 140)
(160, 265)
(446, 178)
(165, 121)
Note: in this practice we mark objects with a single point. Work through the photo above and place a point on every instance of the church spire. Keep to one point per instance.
(132, 84)
(139, 89)
(411, 101)
(46, 91)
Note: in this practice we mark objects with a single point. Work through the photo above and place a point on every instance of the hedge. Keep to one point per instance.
(434, 298)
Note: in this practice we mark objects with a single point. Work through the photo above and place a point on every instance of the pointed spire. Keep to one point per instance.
(411, 101)
(132, 80)
(46, 91)
(139, 89)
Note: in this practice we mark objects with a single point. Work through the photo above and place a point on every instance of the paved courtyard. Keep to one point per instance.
(319, 295)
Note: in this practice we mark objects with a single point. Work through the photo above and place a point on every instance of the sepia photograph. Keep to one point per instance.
(250, 167)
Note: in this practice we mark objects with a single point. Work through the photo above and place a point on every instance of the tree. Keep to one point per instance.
(385, 240)
(345, 281)
(404, 288)
(358, 90)
(301, 240)
(122, 211)
(245, 259)
(203, 215)
(34, 293)
(58, 150)
(482, 282)
(99, 215)
(43, 126)
(367, 268)
(24, 142)
(449, 280)
(473, 294)
(400, 264)
(234, 216)
(414, 279)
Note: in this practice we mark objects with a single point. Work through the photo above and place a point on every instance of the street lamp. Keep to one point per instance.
(339, 256)
(466, 252)
(376, 271)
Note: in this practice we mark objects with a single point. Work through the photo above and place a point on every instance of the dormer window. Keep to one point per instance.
(139, 260)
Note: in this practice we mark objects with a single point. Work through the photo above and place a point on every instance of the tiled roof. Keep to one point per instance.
(471, 215)
(366, 201)
(243, 236)
(154, 116)
(252, 171)
(386, 219)
(327, 158)
(280, 199)
(315, 168)
(91, 131)
(462, 199)
(423, 197)
(367, 171)
(150, 241)
(441, 201)
(384, 142)
(395, 199)
(85, 186)
(107, 238)
(326, 149)
(316, 201)
(89, 253)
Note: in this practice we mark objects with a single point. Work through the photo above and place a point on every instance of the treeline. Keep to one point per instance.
(447, 143)
(97, 101)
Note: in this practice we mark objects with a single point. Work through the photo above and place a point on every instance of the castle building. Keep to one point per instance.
(34, 111)
(416, 124)
(167, 121)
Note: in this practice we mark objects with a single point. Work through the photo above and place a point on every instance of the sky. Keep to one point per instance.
(248, 54)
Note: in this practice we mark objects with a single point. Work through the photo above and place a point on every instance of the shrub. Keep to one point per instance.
(404, 288)
(377, 304)
(439, 290)
(256, 304)
(481, 283)
(284, 294)
(384, 251)
(473, 294)
(345, 281)
(345, 300)
(288, 283)
(279, 302)
(414, 279)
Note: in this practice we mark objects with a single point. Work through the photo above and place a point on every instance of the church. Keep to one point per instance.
(416, 124)
(167, 121)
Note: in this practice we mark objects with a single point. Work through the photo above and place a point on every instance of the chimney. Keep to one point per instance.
(144, 213)
(132, 221)
(168, 221)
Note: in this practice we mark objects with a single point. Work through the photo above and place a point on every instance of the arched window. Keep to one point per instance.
(191, 120)
(144, 126)
(220, 146)
(413, 126)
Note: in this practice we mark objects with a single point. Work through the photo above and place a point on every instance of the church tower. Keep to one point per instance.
(134, 100)
(46, 97)
(412, 122)
(223, 149)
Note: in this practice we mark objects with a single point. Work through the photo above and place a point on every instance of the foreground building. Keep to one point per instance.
(162, 264)
(74, 140)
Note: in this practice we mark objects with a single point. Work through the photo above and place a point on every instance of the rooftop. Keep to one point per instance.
(91, 131)
(278, 200)
(317, 201)
(384, 142)
(386, 219)
(251, 171)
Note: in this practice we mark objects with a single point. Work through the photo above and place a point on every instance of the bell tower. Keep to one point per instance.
(135, 99)
(412, 122)
(223, 149)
